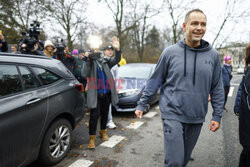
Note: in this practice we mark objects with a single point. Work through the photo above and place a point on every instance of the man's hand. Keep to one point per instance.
(214, 126)
(138, 113)
(115, 43)
(209, 98)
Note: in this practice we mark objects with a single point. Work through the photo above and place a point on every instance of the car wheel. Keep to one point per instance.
(56, 142)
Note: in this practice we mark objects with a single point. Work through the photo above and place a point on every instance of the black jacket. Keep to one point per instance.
(244, 119)
(4, 47)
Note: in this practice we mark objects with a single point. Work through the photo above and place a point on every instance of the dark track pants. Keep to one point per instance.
(244, 158)
(179, 141)
(226, 91)
(102, 110)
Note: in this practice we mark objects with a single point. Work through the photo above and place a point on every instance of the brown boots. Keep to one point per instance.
(104, 135)
(91, 144)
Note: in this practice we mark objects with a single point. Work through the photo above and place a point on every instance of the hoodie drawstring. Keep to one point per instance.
(185, 60)
(195, 56)
(185, 64)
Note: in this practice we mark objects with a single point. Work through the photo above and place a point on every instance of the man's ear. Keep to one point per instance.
(184, 26)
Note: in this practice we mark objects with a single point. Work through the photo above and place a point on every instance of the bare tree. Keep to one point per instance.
(175, 10)
(69, 15)
(120, 10)
(16, 16)
(231, 14)
(146, 11)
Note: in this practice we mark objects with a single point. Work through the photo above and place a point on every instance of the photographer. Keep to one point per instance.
(30, 47)
(100, 89)
(3, 43)
(62, 54)
(30, 44)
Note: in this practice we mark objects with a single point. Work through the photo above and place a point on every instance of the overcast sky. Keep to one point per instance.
(214, 9)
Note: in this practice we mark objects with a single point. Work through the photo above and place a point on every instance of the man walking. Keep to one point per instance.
(187, 73)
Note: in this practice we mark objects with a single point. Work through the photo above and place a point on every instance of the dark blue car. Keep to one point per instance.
(132, 80)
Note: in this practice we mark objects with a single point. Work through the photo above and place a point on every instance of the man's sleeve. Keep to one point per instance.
(217, 92)
(247, 87)
(237, 100)
(115, 59)
(154, 82)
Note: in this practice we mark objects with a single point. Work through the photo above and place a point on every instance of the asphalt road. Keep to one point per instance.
(143, 146)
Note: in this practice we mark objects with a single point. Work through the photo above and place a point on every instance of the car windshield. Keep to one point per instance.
(136, 71)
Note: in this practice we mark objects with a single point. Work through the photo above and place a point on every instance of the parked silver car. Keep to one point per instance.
(131, 83)
(40, 104)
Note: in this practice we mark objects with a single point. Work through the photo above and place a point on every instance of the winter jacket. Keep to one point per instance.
(226, 72)
(4, 47)
(90, 73)
(244, 111)
(67, 59)
(78, 66)
(186, 77)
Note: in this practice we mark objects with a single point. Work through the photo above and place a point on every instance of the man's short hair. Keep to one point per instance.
(192, 11)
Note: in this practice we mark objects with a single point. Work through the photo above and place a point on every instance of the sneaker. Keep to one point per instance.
(111, 125)
(191, 157)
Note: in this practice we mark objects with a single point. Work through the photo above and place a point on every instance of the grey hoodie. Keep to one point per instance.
(186, 77)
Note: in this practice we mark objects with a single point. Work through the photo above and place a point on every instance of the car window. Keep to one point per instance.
(28, 79)
(9, 80)
(134, 72)
(46, 76)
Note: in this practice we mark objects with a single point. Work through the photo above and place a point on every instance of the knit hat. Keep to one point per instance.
(226, 58)
(48, 43)
(75, 52)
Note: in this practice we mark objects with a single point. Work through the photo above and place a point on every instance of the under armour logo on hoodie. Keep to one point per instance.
(208, 62)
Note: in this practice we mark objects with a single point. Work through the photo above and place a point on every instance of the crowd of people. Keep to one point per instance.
(186, 72)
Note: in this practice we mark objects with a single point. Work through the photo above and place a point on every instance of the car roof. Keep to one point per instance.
(140, 64)
(37, 60)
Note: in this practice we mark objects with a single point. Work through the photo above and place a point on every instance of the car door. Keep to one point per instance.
(22, 114)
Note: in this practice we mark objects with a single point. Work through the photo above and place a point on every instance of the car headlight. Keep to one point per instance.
(128, 92)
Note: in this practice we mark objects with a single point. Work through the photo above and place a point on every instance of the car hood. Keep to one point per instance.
(125, 84)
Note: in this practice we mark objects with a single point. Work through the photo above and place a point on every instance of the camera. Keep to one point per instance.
(60, 47)
(95, 55)
(26, 45)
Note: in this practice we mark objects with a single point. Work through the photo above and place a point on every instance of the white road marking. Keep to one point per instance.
(234, 84)
(150, 114)
(112, 141)
(135, 125)
(231, 91)
(81, 163)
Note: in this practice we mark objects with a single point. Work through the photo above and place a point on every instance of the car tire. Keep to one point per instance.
(56, 142)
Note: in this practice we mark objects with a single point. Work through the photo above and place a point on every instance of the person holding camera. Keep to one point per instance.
(227, 76)
(3, 43)
(101, 89)
(62, 53)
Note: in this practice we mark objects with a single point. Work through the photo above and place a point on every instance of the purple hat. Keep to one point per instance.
(226, 58)
(75, 52)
